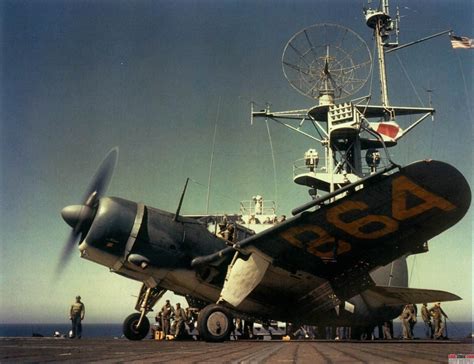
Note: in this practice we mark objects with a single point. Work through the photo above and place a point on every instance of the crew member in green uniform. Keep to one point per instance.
(180, 318)
(166, 312)
(76, 315)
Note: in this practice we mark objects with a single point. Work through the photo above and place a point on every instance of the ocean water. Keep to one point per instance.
(456, 330)
(88, 330)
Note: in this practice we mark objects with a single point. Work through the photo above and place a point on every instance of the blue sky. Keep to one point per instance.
(79, 77)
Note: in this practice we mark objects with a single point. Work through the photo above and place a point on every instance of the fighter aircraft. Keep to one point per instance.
(340, 260)
(330, 264)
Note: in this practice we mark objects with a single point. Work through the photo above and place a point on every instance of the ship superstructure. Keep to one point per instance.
(329, 63)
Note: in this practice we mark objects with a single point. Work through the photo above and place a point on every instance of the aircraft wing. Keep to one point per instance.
(393, 296)
(391, 216)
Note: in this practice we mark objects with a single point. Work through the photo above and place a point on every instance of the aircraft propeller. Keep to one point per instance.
(80, 217)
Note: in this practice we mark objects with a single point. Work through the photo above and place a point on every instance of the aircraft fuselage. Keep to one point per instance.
(150, 245)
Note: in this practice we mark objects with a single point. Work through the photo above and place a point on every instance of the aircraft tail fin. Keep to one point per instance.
(394, 296)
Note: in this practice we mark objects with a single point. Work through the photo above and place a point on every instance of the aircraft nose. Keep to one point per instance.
(76, 215)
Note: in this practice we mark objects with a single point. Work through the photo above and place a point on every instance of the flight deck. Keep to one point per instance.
(38, 350)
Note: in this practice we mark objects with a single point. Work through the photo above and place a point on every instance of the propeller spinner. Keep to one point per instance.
(80, 217)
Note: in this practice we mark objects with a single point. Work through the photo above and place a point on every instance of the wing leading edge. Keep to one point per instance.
(393, 296)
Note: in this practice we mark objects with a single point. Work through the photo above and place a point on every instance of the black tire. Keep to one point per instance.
(357, 332)
(130, 329)
(362, 333)
(214, 323)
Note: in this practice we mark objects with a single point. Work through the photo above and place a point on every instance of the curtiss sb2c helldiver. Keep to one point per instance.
(341, 259)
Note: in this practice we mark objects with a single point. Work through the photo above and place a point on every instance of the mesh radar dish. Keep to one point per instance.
(326, 60)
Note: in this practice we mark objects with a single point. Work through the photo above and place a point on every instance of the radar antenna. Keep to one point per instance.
(326, 62)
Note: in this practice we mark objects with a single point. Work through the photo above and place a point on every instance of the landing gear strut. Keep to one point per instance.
(215, 323)
(136, 325)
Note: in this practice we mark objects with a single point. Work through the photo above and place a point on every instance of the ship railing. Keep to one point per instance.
(300, 166)
(249, 207)
(303, 166)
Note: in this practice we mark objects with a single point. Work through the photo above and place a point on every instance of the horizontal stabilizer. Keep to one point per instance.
(391, 296)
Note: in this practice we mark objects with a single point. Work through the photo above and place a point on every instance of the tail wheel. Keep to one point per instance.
(215, 323)
(132, 331)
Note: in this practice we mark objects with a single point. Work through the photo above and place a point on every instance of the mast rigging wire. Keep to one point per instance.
(469, 109)
(372, 71)
(215, 193)
(409, 80)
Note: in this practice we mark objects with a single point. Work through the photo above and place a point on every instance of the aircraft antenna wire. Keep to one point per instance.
(274, 163)
(411, 275)
(212, 157)
(391, 274)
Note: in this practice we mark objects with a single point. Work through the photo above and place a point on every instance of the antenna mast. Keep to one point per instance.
(381, 59)
(383, 25)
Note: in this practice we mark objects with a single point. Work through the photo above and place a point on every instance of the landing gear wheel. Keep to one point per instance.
(215, 323)
(134, 332)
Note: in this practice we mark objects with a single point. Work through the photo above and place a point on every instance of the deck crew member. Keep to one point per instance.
(437, 313)
(222, 231)
(76, 315)
(240, 220)
(258, 200)
(405, 317)
(166, 311)
(253, 220)
(412, 320)
(425, 315)
(229, 233)
(156, 328)
(225, 220)
(387, 335)
(180, 318)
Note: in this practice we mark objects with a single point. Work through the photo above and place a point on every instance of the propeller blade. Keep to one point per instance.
(102, 177)
(79, 217)
(71, 242)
